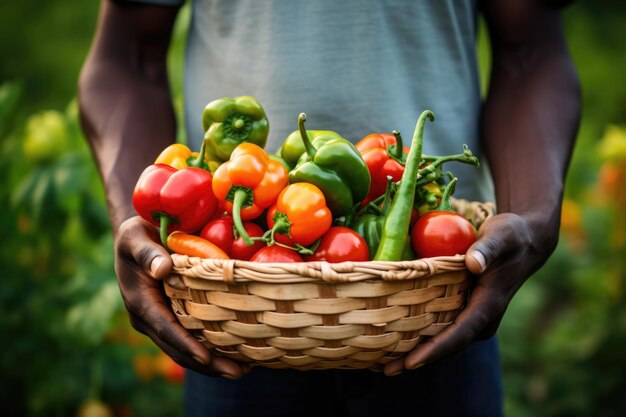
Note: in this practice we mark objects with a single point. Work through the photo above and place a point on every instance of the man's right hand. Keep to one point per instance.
(141, 263)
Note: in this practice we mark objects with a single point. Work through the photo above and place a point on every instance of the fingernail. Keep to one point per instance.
(156, 263)
(480, 259)
(227, 376)
(419, 365)
(394, 373)
(200, 360)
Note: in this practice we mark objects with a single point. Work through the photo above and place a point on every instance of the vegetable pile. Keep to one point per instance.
(319, 198)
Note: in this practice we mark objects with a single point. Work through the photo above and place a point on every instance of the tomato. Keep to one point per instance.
(221, 232)
(442, 233)
(340, 244)
(276, 253)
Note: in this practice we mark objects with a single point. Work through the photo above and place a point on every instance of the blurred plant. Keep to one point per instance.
(564, 334)
(71, 349)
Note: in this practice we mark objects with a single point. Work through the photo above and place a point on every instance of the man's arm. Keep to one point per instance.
(124, 97)
(127, 115)
(529, 124)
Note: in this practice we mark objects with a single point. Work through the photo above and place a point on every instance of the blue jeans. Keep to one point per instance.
(466, 385)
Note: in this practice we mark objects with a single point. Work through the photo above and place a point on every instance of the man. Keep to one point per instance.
(355, 67)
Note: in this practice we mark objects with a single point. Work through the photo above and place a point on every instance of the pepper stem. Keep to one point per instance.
(397, 151)
(308, 146)
(198, 162)
(428, 173)
(164, 222)
(281, 225)
(387, 199)
(447, 193)
(239, 200)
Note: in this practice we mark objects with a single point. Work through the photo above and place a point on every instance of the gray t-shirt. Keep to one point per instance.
(354, 66)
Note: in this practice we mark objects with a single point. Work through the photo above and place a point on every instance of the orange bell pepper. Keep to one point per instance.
(248, 183)
(300, 213)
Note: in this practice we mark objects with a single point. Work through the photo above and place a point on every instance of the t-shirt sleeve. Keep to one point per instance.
(157, 2)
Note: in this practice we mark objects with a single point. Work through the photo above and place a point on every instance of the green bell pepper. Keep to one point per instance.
(227, 122)
(293, 146)
(336, 167)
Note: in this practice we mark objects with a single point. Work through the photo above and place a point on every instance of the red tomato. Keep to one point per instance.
(276, 253)
(221, 233)
(442, 233)
(340, 244)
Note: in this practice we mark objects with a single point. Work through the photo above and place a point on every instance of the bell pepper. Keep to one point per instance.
(293, 147)
(248, 184)
(174, 199)
(228, 122)
(300, 213)
(336, 167)
(384, 156)
(370, 226)
(180, 156)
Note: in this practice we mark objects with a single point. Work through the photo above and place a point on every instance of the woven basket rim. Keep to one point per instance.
(239, 271)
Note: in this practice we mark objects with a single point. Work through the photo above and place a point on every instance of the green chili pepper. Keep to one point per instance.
(336, 167)
(396, 224)
(227, 122)
(370, 227)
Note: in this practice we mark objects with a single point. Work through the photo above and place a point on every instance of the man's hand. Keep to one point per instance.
(528, 125)
(502, 258)
(140, 264)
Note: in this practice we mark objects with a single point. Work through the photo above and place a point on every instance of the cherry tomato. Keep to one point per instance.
(221, 233)
(340, 244)
(442, 233)
(276, 253)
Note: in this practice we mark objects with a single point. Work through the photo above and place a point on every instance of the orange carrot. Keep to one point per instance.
(192, 245)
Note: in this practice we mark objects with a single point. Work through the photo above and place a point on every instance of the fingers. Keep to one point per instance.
(500, 260)
(185, 350)
(139, 259)
(139, 240)
(473, 320)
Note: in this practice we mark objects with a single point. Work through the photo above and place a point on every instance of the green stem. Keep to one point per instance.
(239, 199)
(164, 222)
(426, 174)
(308, 146)
(387, 196)
(397, 151)
(445, 197)
(199, 161)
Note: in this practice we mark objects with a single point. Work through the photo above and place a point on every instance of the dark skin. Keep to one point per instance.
(529, 123)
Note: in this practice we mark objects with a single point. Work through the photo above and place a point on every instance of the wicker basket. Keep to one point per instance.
(318, 315)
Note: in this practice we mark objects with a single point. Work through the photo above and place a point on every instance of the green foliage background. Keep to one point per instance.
(67, 342)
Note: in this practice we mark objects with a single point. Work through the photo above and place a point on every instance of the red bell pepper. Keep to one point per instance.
(384, 156)
(175, 199)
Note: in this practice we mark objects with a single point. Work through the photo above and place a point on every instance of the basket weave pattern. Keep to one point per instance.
(317, 315)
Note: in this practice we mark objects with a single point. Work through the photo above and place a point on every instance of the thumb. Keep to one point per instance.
(486, 248)
(160, 266)
(498, 234)
(140, 239)
(475, 261)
